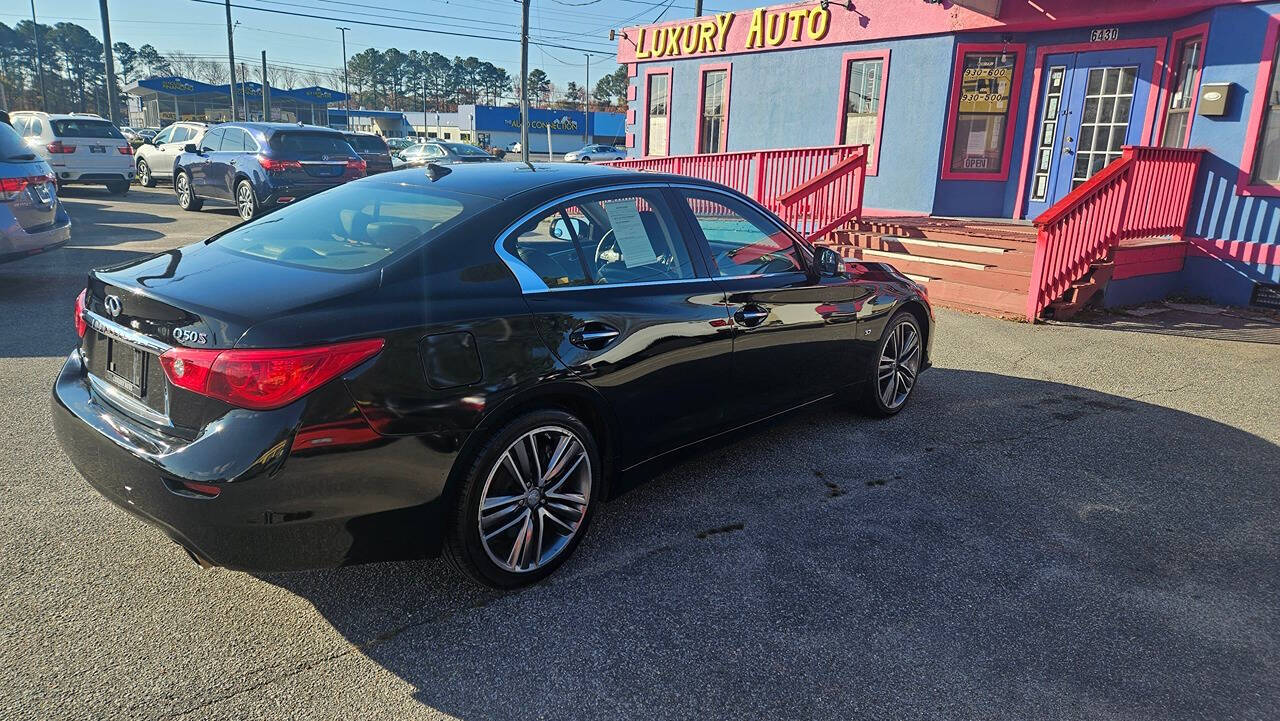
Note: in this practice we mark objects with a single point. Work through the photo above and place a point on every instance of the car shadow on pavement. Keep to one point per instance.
(1004, 548)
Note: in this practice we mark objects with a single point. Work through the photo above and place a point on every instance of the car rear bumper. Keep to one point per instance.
(279, 507)
(17, 242)
(67, 176)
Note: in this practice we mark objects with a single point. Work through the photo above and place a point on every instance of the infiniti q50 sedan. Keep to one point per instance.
(460, 360)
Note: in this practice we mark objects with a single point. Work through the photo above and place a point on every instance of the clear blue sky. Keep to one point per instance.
(199, 29)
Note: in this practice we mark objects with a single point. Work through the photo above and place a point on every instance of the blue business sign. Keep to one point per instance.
(174, 85)
(491, 119)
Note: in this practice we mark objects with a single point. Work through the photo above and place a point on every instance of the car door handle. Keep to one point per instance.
(750, 315)
(593, 335)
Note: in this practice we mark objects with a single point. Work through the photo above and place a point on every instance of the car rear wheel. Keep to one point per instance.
(145, 178)
(584, 160)
(894, 368)
(117, 187)
(526, 500)
(186, 197)
(246, 200)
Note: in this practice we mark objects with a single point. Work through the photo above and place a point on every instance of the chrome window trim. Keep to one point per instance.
(529, 280)
(632, 284)
(127, 335)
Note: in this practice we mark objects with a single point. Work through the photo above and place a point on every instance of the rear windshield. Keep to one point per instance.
(353, 226)
(464, 149)
(83, 128)
(367, 143)
(304, 142)
(12, 149)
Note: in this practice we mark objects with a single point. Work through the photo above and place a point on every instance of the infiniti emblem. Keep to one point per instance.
(112, 304)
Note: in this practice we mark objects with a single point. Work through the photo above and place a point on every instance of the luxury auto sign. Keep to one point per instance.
(769, 29)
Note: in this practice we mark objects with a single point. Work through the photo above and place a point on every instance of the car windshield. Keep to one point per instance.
(306, 142)
(84, 128)
(353, 226)
(367, 143)
(464, 149)
(12, 149)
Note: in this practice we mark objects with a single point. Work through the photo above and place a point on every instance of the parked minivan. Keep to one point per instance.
(80, 148)
(259, 166)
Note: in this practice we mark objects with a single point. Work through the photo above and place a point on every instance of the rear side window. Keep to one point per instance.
(182, 135)
(84, 128)
(367, 143)
(353, 226)
(464, 149)
(304, 142)
(12, 147)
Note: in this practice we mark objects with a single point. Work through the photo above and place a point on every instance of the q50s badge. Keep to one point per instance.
(189, 337)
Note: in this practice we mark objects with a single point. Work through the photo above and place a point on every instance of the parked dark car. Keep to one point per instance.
(260, 166)
(373, 149)
(444, 153)
(32, 220)
(468, 360)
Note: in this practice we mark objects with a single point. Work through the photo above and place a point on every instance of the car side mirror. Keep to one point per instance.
(190, 148)
(829, 262)
(560, 229)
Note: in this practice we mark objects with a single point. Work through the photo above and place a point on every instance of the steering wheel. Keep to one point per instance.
(608, 238)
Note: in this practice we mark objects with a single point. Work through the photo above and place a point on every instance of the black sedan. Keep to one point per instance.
(465, 359)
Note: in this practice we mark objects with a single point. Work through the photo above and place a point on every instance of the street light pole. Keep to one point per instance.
(35, 31)
(346, 76)
(266, 91)
(586, 105)
(231, 57)
(524, 81)
(112, 109)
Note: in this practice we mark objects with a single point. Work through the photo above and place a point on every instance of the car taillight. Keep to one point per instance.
(262, 379)
(125, 149)
(357, 164)
(81, 325)
(57, 147)
(11, 188)
(275, 164)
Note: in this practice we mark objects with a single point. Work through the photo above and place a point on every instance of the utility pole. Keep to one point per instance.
(586, 105)
(346, 78)
(112, 111)
(231, 58)
(697, 8)
(266, 91)
(35, 31)
(524, 81)
(244, 102)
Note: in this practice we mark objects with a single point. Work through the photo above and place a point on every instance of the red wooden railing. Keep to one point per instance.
(1145, 192)
(815, 190)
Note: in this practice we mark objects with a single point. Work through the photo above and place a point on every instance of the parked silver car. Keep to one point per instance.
(156, 156)
(594, 152)
(443, 152)
(32, 220)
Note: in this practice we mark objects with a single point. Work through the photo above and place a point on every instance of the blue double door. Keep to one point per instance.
(1091, 105)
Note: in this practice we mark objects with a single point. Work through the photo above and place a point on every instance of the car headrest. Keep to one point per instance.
(391, 235)
(354, 223)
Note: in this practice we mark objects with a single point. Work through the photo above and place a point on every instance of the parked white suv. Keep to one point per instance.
(155, 157)
(81, 148)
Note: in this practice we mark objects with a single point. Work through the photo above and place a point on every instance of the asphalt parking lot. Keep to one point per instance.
(1068, 522)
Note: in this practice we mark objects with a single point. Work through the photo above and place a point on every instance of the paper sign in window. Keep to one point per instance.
(629, 233)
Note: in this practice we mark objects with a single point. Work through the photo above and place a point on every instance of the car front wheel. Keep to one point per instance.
(526, 500)
(186, 197)
(145, 179)
(894, 368)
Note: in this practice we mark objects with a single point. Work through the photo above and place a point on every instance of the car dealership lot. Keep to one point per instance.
(1067, 522)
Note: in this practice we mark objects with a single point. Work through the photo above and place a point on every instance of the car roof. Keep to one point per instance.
(278, 127)
(58, 116)
(500, 180)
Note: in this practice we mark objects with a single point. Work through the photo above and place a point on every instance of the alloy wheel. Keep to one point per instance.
(535, 499)
(899, 364)
(184, 190)
(244, 201)
(144, 173)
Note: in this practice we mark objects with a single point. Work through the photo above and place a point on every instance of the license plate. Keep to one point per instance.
(127, 366)
(97, 148)
(43, 192)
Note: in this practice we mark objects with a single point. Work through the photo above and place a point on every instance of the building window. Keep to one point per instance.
(655, 132)
(1182, 94)
(714, 120)
(862, 98)
(1266, 165)
(987, 82)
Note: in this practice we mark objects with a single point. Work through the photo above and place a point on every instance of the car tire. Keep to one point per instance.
(895, 364)
(246, 201)
(551, 511)
(145, 178)
(117, 187)
(187, 199)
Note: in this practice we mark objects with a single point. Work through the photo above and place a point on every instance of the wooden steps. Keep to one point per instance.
(980, 266)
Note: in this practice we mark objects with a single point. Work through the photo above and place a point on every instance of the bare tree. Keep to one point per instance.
(212, 72)
(184, 65)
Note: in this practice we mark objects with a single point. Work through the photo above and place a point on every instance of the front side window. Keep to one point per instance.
(655, 135)
(741, 239)
(212, 140)
(980, 127)
(1266, 166)
(862, 104)
(608, 238)
(1183, 93)
(233, 140)
(164, 136)
(714, 100)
